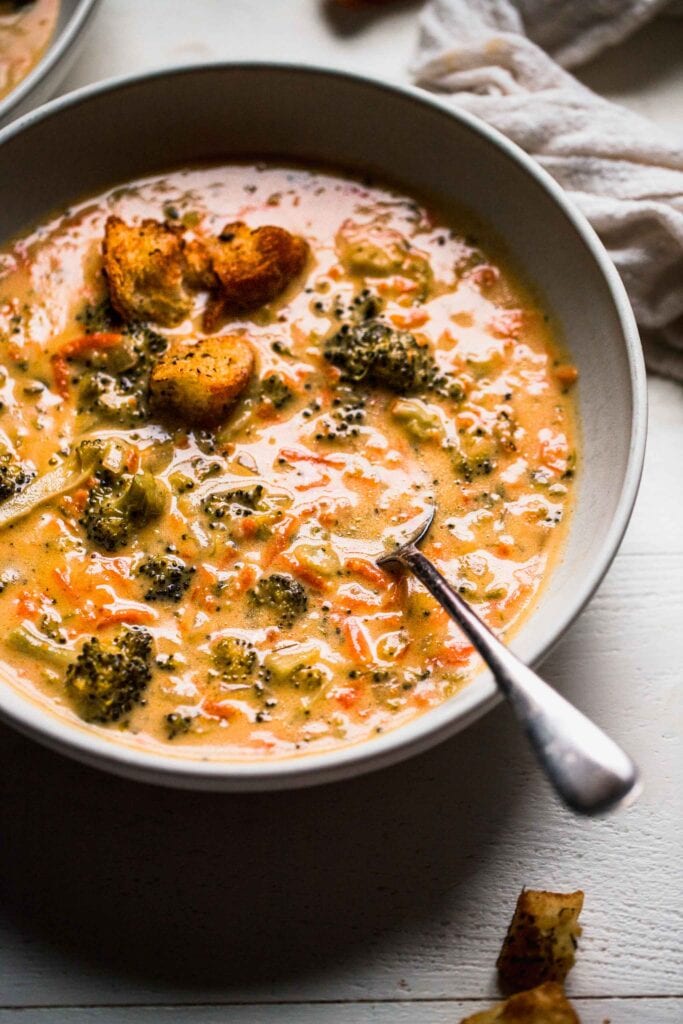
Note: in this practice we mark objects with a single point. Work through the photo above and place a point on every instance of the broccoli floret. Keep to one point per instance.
(105, 682)
(114, 396)
(302, 677)
(235, 659)
(228, 509)
(275, 390)
(121, 395)
(118, 506)
(177, 725)
(169, 577)
(242, 501)
(468, 468)
(282, 595)
(374, 353)
(99, 318)
(13, 476)
(115, 384)
(366, 306)
(345, 420)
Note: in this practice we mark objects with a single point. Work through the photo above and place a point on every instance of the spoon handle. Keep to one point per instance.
(588, 770)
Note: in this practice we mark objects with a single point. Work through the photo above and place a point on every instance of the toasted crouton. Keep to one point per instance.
(201, 382)
(245, 269)
(546, 1004)
(198, 264)
(541, 940)
(145, 266)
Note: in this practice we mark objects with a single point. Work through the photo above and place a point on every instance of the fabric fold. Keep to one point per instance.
(623, 171)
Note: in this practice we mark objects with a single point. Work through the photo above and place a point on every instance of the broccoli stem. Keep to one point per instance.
(25, 641)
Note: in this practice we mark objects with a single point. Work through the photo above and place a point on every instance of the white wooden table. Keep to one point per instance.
(384, 900)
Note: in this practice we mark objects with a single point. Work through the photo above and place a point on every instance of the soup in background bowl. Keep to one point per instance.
(39, 41)
(229, 382)
(25, 32)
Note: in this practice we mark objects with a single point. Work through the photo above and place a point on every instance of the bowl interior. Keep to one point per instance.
(104, 135)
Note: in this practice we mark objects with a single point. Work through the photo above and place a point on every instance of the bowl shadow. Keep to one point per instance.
(223, 893)
(352, 20)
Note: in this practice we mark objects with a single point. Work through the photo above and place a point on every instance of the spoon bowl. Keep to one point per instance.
(590, 773)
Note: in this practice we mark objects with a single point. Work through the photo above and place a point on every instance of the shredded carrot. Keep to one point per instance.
(566, 374)
(308, 575)
(369, 571)
(347, 697)
(357, 640)
(402, 286)
(415, 318)
(217, 710)
(260, 743)
(454, 654)
(203, 590)
(248, 526)
(132, 460)
(279, 538)
(29, 604)
(246, 577)
(129, 616)
(87, 342)
(63, 580)
(73, 504)
(299, 455)
(228, 556)
(356, 603)
(308, 485)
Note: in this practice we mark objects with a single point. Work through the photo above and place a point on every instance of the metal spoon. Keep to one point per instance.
(588, 770)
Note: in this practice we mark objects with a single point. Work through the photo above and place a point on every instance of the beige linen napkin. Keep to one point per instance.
(500, 59)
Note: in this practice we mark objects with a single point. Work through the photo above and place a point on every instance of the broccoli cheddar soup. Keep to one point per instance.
(224, 392)
(26, 27)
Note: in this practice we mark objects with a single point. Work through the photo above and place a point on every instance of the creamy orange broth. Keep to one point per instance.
(25, 31)
(498, 458)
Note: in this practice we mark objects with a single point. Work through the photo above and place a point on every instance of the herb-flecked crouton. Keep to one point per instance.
(244, 268)
(541, 940)
(546, 1004)
(201, 382)
(145, 269)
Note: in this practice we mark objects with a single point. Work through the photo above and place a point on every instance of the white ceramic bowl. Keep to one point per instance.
(110, 133)
(44, 79)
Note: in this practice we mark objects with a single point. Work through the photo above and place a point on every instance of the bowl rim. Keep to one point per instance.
(57, 48)
(31, 718)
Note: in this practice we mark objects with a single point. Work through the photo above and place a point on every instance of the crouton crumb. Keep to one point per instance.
(541, 940)
(546, 1004)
